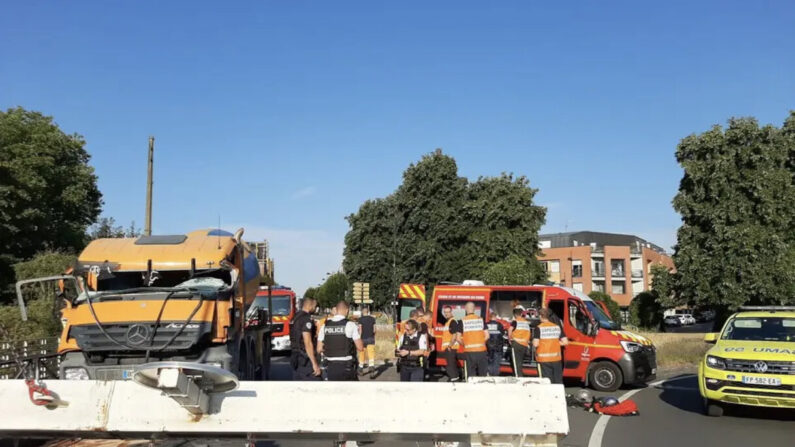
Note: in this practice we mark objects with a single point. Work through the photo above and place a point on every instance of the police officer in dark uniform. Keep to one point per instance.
(339, 342)
(303, 360)
(495, 343)
(411, 353)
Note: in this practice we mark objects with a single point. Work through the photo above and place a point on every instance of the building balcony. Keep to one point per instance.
(598, 273)
(637, 274)
(617, 273)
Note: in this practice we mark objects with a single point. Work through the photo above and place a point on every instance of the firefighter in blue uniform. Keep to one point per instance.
(303, 360)
(495, 343)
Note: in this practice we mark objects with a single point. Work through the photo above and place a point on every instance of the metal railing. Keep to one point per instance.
(637, 273)
(17, 357)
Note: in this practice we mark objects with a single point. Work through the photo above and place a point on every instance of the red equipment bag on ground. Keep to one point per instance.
(625, 408)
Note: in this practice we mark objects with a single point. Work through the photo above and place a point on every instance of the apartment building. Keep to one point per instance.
(618, 264)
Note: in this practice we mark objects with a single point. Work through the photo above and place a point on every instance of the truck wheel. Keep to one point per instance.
(242, 363)
(713, 408)
(266, 359)
(252, 362)
(605, 376)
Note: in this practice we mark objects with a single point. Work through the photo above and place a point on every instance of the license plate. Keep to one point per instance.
(772, 381)
(126, 374)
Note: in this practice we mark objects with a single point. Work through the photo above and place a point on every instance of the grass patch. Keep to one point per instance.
(676, 350)
(384, 342)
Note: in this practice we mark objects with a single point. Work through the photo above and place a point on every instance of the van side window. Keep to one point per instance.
(502, 302)
(577, 318)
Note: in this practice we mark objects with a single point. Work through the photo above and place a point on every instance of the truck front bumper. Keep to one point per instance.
(281, 343)
(639, 367)
(727, 386)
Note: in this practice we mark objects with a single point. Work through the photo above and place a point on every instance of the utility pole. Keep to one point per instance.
(148, 225)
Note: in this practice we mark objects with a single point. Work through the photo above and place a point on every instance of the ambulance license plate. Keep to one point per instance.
(772, 381)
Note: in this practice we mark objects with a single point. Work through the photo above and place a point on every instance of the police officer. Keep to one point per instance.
(302, 334)
(450, 344)
(473, 336)
(495, 343)
(411, 353)
(548, 338)
(519, 334)
(339, 342)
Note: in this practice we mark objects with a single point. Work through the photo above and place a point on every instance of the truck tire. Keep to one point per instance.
(242, 363)
(713, 408)
(265, 374)
(605, 376)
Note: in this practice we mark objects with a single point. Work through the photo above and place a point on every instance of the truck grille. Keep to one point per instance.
(90, 339)
(278, 327)
(749, 366)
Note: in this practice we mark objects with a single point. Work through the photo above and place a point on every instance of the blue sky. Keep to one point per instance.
(283, 117)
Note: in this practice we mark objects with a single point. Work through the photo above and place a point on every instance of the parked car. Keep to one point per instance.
(672, 321)
(704, 316)
(687, 319)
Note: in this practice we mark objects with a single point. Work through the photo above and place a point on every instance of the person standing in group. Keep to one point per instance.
(303, 360)
(450, 343)
(411, 353)
(548, 338)
(474, 335)
(519, 334)
(424, 319)
(367, 332)
(495, 343)
(338, 342)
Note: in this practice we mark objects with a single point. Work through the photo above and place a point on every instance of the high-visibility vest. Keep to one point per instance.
(548, 343)
(474, 337)
(447, 337)
(521, 334)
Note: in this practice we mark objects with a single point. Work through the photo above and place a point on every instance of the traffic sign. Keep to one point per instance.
(361, 292)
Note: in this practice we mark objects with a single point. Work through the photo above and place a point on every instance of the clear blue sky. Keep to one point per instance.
(284, 116)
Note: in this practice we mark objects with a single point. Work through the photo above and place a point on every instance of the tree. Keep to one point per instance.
(43, 320)
(735, 245)
(311, 292)
(612, 305)
(645, 311)
(662, 286)
(514, 270)
(334, 290)
(48, 191)
(438, 226)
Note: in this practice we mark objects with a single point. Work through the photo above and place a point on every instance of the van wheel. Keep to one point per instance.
(713, 408)
(242, 363)
(605, 376)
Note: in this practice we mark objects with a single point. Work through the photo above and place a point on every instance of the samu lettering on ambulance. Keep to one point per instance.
(763, 350)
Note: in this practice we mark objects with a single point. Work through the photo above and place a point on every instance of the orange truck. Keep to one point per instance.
(282, 309)
(600, 354)
(410, 297)
(131, 301)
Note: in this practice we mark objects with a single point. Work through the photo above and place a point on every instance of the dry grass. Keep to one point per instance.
(678, 350)
(384, 342)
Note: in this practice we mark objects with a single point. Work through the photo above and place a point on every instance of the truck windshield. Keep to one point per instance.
(458, 309)
(405, 306)
(281, 304)
(599, 315)
(761, 329)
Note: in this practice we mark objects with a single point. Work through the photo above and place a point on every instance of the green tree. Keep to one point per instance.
(735, 245)
(645, 311)
(514, 270)
(334, 290)
(48, 191)
(43, 318)
(612, 305)
(311, 292)
(662, 286)
(438, 226)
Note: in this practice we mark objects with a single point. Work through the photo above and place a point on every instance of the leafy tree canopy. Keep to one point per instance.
(736, 243)
(334, 290)
(514, 270)
(106, 228)
(438, 226)
(48, 191)
(645, 311)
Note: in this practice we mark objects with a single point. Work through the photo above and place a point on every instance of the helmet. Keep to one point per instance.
(608, 401)
(583, 396)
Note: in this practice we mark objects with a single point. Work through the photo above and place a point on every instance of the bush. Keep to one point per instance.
(43, 320)
(645, 311)
(612, 306)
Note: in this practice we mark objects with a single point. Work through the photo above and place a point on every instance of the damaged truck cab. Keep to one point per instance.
(130, 301)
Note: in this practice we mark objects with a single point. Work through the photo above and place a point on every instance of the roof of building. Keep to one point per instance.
(579, 238)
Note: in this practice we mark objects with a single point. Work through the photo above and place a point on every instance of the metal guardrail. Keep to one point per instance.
(39, 354)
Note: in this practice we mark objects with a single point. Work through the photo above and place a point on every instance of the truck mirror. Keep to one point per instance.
(711, 337)
(60, 295)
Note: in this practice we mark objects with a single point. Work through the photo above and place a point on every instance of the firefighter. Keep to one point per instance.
(473, 335)
(548, 338)
(411, 353)
(519, 334)
(450, 342)
(495, 343)
(367, 332)
(338, 342)
(302, 334)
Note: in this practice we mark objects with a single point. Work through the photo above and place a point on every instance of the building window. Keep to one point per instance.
(554, 267)
(618, 287)
(617, 268)
(544, 244)
(576, 268)
(578, 286)
(545, 266)
(597, 267)
(598, 286)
